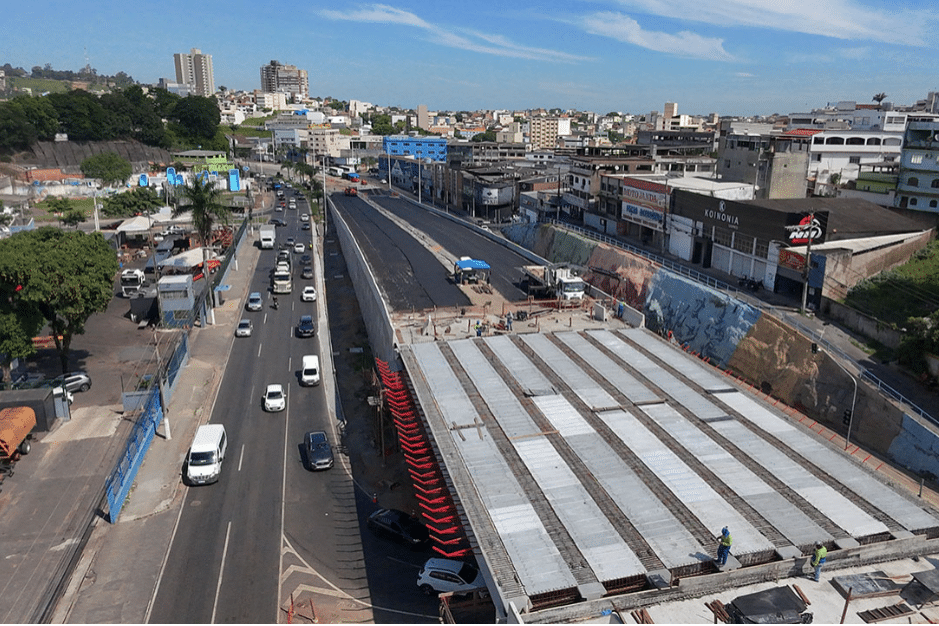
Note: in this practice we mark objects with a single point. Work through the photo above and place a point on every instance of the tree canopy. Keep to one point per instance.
(138, 201)
(56, 276)
(109, 167)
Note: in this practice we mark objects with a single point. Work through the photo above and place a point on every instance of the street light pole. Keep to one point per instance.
(847, 437)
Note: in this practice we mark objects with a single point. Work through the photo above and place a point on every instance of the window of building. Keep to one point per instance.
(873, 141)
(855, 160)
(743, 243)
(817, 158)
(935, 183)
(932, 204)
(912, 181)
(912, 201)
(722, 237)
(818, 141)
(835, 141)
(855, 141)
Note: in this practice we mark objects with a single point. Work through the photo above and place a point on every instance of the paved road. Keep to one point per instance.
(224, 564)
(462, 240)
(408, 273)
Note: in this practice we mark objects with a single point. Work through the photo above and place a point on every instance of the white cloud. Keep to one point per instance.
(470, 40)
(840, 19)
(685, 44)
(744, 75)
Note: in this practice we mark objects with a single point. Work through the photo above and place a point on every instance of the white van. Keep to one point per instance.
(204, 460)
(310, 370)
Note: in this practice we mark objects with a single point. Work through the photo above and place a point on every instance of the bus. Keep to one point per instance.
(281, 283)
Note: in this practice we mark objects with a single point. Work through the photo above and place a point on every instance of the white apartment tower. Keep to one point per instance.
(195, 69)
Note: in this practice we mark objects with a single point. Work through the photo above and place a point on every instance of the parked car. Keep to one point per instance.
(254, 301)
(308, 294)
(307, 273)
(274, 398)
(442, 575)
(399, 526)
(244, 328)
(319, 454)
(73, 381)
(306, 327)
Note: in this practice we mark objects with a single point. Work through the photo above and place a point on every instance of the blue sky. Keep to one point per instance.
(734, 57)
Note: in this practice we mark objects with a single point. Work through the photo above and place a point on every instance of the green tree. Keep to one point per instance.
(109, 167)
(381, 125)
(198, 117)
(203, 199)
(58, 205)
(81, 116)
(136, 202)
(489, 135)
(63, 276)
(73, 217)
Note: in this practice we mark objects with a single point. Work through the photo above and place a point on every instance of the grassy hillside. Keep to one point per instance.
(911, 290)
(39, 86)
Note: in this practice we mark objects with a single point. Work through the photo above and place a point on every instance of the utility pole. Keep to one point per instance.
(808, 262)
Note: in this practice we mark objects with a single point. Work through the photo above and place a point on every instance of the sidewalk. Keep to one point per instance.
(115, 578)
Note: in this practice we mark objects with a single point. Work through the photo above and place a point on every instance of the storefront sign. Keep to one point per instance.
(721, 215)
(641, 212)
(809, 227)
(791, 260)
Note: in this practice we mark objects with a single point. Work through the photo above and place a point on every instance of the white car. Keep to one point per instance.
(274, 398)
(308, 294)
(298, 248)
(442, 575)
(305, 217)
(243, 329)
(254, 302)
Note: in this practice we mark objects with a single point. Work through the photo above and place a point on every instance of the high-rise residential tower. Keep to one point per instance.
(195, 69)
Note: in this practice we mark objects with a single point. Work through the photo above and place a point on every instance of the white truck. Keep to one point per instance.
(268, 236)
(132, 281)
(554, 281)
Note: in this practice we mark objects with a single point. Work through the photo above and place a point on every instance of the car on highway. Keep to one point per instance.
(319, 454)
(279, 208)
(305, 226)
(443, 575)
(307, 272)
(308, 294)
(306, 259)
(306, 327)
(398, 526)
(298, 247)
(305, 217)
(276, 221)
(254, 302)
(290, 242)
(73, 381)
(244, 328)
(274, 398)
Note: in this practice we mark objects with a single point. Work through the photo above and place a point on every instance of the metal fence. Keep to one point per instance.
(722, 286)
(121, 479)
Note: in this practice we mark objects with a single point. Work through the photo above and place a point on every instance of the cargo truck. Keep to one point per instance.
(553, 281)
(16, 424)
(268, 236)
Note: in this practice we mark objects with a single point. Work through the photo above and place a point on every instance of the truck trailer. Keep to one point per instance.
(553, 281)
(268, 236)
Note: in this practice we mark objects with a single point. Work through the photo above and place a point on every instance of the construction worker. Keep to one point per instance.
(479, 329)
(723, 547)
(818, 558)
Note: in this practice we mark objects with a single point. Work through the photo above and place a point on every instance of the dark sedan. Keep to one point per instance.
(399, 526)
(306, 327)
(319, 454)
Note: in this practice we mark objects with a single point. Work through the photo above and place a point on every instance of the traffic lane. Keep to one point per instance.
(191, 579)
(392, 569)
(409, 274)
(460, 241)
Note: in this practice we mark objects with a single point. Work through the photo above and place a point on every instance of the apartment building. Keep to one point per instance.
(277, 77)
(484, 152)
(195, 70)
(583, 182)
(837, 155)
(758, 155)
(918, 182)
(543, 132)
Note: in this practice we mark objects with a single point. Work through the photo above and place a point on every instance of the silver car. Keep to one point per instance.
(244, 328)
(254, 302)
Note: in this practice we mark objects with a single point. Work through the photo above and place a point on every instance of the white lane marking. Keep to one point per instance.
(242, 457)
(166, 557)
(221, 570)
(259, 350)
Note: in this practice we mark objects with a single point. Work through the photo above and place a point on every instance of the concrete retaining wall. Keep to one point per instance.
(377, 320)
(747, 343)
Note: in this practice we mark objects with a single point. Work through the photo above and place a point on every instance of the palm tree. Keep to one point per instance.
(879, 97)
(204, 200)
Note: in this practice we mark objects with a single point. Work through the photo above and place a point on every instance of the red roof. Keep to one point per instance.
(802, 132)
(645, 185)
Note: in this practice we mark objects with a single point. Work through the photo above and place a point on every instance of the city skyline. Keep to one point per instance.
(743, 57)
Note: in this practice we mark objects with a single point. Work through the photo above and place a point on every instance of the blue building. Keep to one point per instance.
(433, 148)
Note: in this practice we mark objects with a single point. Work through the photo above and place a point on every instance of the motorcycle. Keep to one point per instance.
(274, 304)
